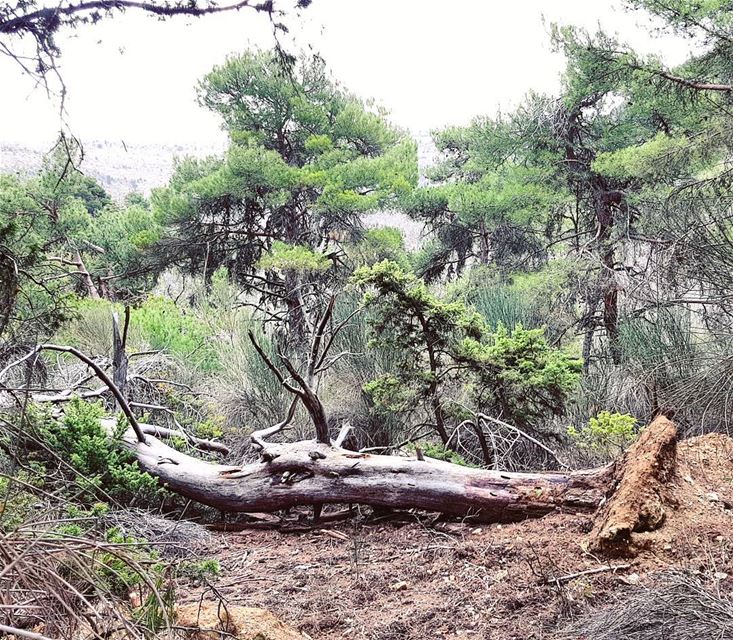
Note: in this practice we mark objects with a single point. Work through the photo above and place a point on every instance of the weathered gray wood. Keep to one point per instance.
(309, 472)
(119, 357)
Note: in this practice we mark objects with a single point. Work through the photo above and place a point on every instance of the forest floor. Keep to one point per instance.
(380, 578)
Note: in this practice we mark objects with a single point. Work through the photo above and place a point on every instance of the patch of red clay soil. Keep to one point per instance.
(383, 580)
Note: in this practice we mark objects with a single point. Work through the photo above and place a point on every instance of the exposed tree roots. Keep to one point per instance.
(639, 497)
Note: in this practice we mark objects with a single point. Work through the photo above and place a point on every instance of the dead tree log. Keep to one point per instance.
(631, 491)
(316, 472)
(310, 472)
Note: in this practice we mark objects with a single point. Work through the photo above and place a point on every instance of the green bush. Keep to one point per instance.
(80, 520)
(166, 327)
(440, 452)
(606, 434)
(117, 572)
(294, 257)
(521, 376)
(157, 324)
(101, 464)
(210, 429)
(199, 570)
(378, 244)
(16, 500)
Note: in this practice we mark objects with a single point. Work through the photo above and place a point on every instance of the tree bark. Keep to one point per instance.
(641, 497)
(309, 472)
(119, 357)
(86, 277)
(605, 200)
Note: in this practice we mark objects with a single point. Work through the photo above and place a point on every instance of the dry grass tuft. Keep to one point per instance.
(69, 587)
(678, 607)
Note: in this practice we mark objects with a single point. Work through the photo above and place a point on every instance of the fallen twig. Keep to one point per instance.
(587, 572)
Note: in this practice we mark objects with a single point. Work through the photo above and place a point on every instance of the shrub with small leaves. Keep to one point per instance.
(440, 452)
(117, 570)
(606, 434)
(101, 464)
(210, 429)
(198, 571)
(16, 497)
(294, 257)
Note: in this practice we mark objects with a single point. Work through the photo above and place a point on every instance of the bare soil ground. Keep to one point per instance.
(381, 579)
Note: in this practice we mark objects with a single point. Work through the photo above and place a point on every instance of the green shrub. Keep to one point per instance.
(164, 326)
(117, 570)
(101, 464)
(606, 434)
(247, 391)
(440, 452)
(82, 521)
(16, 502)
(154, 612)
(209, 429)
(199, 570)
(294, 257)
(521, 376)
(388, 392)
(72, 530)
(157, 324)
(381, 243)
(122, 566)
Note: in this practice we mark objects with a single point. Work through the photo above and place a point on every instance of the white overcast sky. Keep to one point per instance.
(430, 62)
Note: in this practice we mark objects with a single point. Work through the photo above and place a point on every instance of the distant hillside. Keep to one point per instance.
(126, 168)
(120, 168)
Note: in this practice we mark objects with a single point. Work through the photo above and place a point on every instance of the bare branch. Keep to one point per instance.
(318, 337)
(68, 394)
(258, 437)
(47, 21)
(97, 370)
(346, 429)
(22, 633)
(587, 572)
(332, 337)
(271, 366)
(311, 401)
(198, 443)
(483, 416)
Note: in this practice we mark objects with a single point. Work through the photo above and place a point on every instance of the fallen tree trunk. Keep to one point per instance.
(632, 490)
(313, 473)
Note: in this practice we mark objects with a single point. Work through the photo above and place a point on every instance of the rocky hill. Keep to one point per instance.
(120, 168)
(124, 168)
(137, 168)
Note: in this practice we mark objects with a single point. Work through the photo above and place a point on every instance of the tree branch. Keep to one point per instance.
(258, 437)
(50, 19)
(271, 366)
(485, 418)
(100, 374)
(311, 401)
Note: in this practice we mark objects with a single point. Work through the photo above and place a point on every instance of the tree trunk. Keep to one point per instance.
(641, 497)
(605, 200)
(307, 472)
(8, 288)
(119, 354)
(86, 277)
(632, 491)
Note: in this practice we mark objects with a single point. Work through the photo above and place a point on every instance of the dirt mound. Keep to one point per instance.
(212, 621)
(701, 493)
